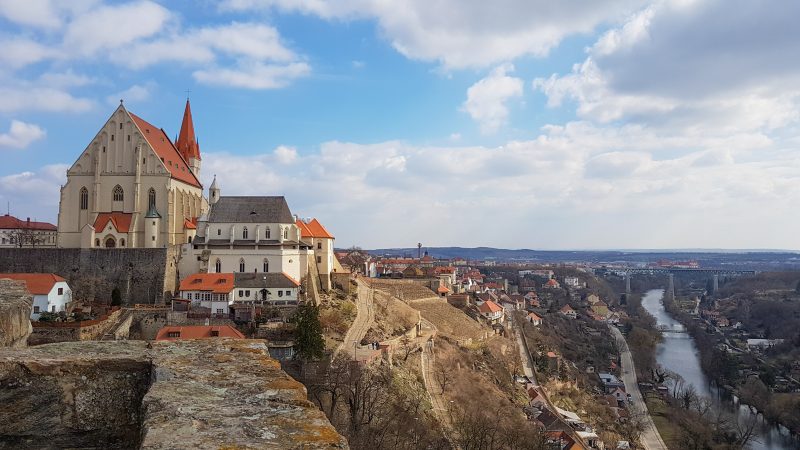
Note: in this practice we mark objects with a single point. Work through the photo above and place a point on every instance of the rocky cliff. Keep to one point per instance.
(15, 313)
(204, 394)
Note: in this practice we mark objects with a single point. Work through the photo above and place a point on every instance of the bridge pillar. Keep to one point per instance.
(627, 282)
(671, 286)
(715, 283)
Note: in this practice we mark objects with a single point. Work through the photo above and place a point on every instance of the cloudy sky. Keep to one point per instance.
(576, 124)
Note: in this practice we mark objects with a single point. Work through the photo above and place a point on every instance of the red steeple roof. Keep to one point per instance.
(187, 142)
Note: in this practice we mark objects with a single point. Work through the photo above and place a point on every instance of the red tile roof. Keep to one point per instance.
(313, 229)
(218, 283)
(187, 142)
(189, 225)
(37, 283)
(489, 307)
(165, 150)
(198, 332)
(534, 316)
(442, 290)
(566, 309)
(8, 222)
(120, 220)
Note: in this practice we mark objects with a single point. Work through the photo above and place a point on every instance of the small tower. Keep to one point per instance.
(213, 192)
(187, 143)
(152, 226)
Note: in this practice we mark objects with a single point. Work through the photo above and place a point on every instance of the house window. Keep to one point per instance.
(174, 334)
(112, 138)
(241, 265)
(215, 333)
(286, 233)
(190, 239)
(266, 266)
(219, 231)
(36, 309)
(122, 242)
(241, 293)
(247, 293)
(60, 291)
(97, 242)
(120, 125)
(119, 195)
(268, 233)
(319, 245)
(151, 199)
(244, 233)
(219, 311)
(319, 259)
(280, 293)
(153, 238)
(84, 198)
(218, 266)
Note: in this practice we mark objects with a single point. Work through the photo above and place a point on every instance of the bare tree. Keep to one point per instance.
(408, 346)
(443, 377)
(25, 237)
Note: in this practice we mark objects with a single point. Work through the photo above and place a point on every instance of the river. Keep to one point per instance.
(678, 353)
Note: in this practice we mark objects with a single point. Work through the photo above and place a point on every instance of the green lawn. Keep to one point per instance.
(667, 430)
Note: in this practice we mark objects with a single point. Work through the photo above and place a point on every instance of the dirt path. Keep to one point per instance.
(364, 318)
(650, 438)
(428, 365)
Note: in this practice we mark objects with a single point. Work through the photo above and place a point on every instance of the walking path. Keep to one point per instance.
(650, 438)
(436, 394)
(364, 318)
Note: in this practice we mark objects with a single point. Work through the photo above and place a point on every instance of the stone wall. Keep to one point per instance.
(87, 330)
(142, 275)
(15, 314)
(214, 393)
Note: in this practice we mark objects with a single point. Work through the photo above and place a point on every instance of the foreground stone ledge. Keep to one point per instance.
(15, 313)
(204, 394)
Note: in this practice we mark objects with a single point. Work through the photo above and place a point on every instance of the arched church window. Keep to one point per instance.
(151, 198)
(97, 242)
(218, 266)
(267, 234)
(241, 265)
(122, 242)
(266, 265)
(286, 233)
(84, 198)
(119, 195)
(244, 233)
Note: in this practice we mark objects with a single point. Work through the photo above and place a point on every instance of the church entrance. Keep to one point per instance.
(111, 243)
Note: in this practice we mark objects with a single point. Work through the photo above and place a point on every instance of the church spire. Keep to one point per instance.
(187, 141)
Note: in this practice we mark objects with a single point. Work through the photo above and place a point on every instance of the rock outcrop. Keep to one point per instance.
(216, 393)
(15, 313)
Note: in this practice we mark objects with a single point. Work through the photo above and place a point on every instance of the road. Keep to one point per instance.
(364, 318)
(523, 355)
(650, 438)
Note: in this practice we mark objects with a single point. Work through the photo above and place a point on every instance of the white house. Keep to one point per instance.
(491, 311)
(209, 290)
(534, 319)
(569, 312)
(50, 292)
(273, 289)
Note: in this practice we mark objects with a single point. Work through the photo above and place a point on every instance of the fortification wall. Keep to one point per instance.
(141, 275)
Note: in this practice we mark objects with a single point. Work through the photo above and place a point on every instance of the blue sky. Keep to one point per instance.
(516, 123)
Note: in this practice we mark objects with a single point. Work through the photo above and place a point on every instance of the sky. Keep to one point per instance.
(577, 124)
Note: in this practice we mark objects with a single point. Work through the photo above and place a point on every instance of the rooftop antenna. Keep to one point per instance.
(188, 91)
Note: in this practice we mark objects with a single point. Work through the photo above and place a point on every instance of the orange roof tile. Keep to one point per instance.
(218, 283)
(37, 283)
(189, 225)
(534, 316)
(313, 229)
(8, 222)
(165, 150)
(489, 307)
(566, 308)
(198, 332)
(442, 290)
(120, 220)
(187, 143)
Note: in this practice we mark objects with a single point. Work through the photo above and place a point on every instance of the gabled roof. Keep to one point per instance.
(189, 225)
(256, 280)
(8, 222)
(251, 210)
(534, 316)
(442, 290)
(489, 307)
(165, 150)
(120, 220)
(217, 283)
(313, 229)
(198, 332)
(566, 309)
(37, 283)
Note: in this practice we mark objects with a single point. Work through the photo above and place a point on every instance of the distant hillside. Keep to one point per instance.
(757, 260)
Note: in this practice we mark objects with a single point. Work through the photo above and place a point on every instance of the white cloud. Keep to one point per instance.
(487, 98)
(34, 194)
(21, 135)
(458, 33)
(255, 75)
(285, 155)
(135, 93)
(36, 13)
(35, 98)
(20, 52)
(110, 27)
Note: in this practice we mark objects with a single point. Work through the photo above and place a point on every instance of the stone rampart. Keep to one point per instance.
(142, 275)
(15, 314)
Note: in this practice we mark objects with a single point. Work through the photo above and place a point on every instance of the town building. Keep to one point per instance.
(133, 187)
(315, 236)
(175, 333)
(491, 311)
(26, 233)
(211, 291)
(567, 311)
(219, 293)
(50, 292)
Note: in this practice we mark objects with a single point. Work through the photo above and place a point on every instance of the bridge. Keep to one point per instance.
(668, 329)
(709, 271)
